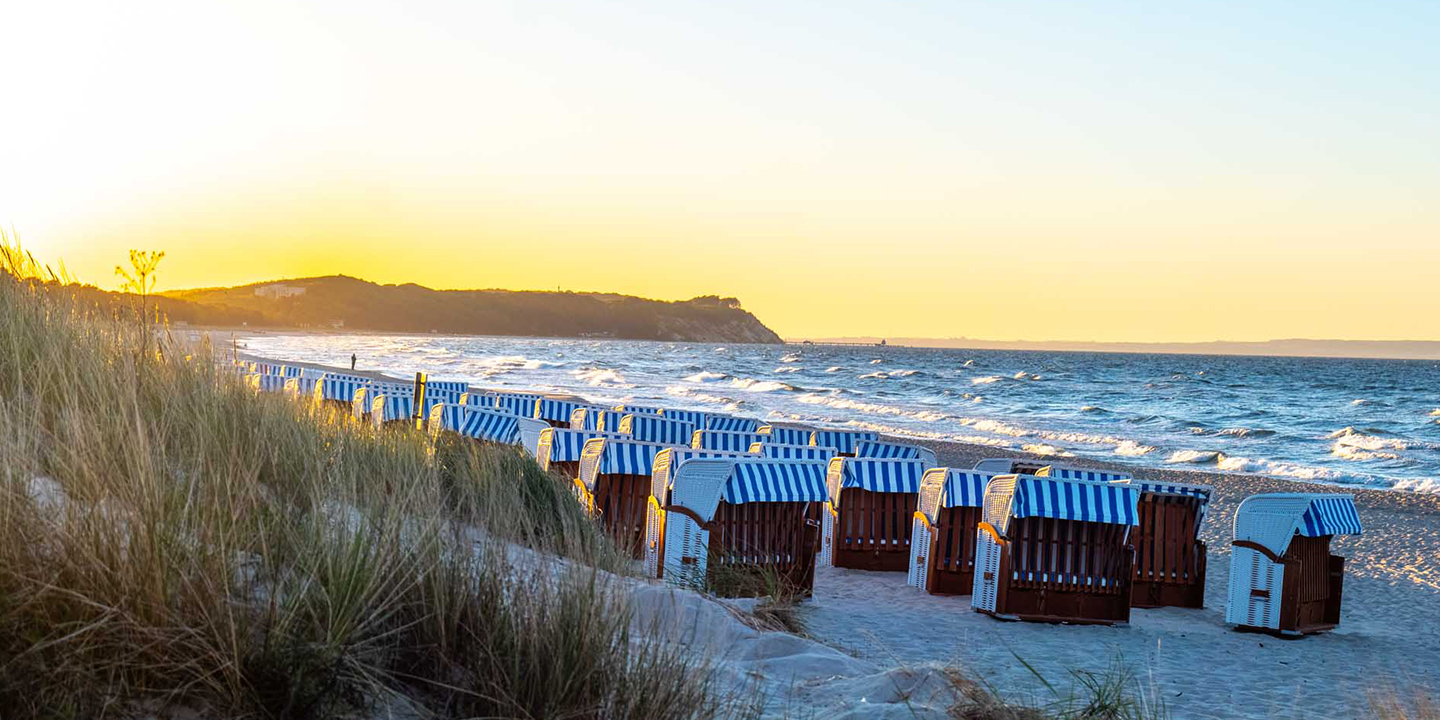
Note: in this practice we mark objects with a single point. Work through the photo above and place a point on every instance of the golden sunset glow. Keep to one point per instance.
(998, 171)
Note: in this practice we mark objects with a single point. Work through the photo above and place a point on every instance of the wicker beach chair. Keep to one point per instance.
(391, 409)
(559, 449)
(793, 452)
(445, 417)
(842, 440)
(338, 390)
(869, 513)
(1051, 550)
(785, 435)
(1032, 466)
(491, 426)
(589, 417)
(558, 411)
(656, 428)
(723, 440)
(1170, 557)
(1283, 579)
(740, 527)
(893, 451)
(727, 423)
(521, 404)
(661, 475)
(614, 484)
(943, 536)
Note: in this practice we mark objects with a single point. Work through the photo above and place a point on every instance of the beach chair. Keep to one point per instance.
(693, 417)
(1032, 466)
(842, 440)
(452, 387)
(1170, 557)
(557, 411)
(391, 409)
(589, 417)
(338, 390)
(793, 452)
(723, 440)
(726, 423)
(638, 409)
(742, 527)
(521, 404)
(614, 484)
(477, 398)
(445, 417)
(1051, 550)
(559, 449)
(500, 428)
(656, 428)
(944, 532)
(785, 435)
(661, 474)
(869, 513)
(1283, 579)
(893, 451)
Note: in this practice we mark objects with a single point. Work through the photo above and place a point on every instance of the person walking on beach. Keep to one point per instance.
(352, 361)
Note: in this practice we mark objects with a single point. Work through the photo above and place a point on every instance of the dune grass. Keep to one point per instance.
(172, 541)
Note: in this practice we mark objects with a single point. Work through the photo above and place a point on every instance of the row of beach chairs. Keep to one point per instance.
(736, 506)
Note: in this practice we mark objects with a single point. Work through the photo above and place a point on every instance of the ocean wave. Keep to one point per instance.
(790, 357)
(1419, 485)
(877, 375)
(729, 404)
(788, 369)
(1243, 432)
(760, 386)
(601, 377)
(1279, 469)
(834, 368)
(1040, 449)
(1094, 409)
(1350, 452)
(986, 380)
(1195, 457)
(701, 377)
(876, 408)
(903, 373)
(877, 361)
(1351, 437)
(1435, 412)
(517, 362)
(1130, 448)
(994, 426)
(969, 363)
(1022, 375)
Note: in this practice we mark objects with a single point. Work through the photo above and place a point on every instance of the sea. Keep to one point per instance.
(1355, 422)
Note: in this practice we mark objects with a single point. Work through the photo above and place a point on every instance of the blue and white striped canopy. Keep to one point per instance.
(566, 445)
(396, 407)
(341, 387)
(964, 488)
(731, 424)
(694, 417)
(306, 385)
(1200, 491)
(775, 481)
(392, 388)
(435, 395)
(557, 410)
(272, 383)
(278, 369)
(1330, 515)
(516, 404)
(627, 457)
(882, 476)
(886, 450)
(479, 399)
(722, 440)
(452, 417)
(1070, 473)
(842, 440)
(654, 428)
(491, 426)
(639, 409)
(1075, 500)
(450, 386)
(788, 435)
(592, 418)
(793, 452)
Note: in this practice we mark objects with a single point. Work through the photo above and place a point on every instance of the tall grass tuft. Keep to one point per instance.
(170, 540)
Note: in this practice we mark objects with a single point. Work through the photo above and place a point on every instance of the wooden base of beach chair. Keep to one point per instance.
(1064, 571)
(620, 502)
(872, 530)
(952, 552)
(1170, 561)
(559, 423)
(758, 548)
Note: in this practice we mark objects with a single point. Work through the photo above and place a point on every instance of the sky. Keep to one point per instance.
(1110, 171)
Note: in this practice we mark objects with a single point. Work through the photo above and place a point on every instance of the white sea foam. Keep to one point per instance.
(1420, 485)
(1197, 457)
(1041, 449)
(701, 377)
(1130, 448)
(759, 386)
(1435, 412)
(834, 368)
(986, 380)
(877, 361)
(877, 375)
(903, 373)
(790, 358)
(1350, 452)
(1278, 469)
(969, 363)
(788, 369)
(601, 377)
(876, 408)
(1354, 438)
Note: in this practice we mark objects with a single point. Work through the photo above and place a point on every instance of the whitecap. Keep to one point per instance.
(994, 426)
(1130, 448)
(903, 373)
(701, 377)
(874, 376)
(1196, 457)
(1419, 485)
(986, 380)
(1435, 412)
(788, 369)
(876, 361)
(1046, 450)
(834, 368)
(1354, 438)
(601, 377)
(759, 386)
(1350, 452)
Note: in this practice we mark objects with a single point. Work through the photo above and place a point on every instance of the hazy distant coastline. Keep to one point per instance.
(1297, 347)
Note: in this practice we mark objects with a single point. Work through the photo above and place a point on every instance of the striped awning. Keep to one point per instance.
(787, 435)
(491, 426)
(452, 417)
(652, 428)
(1330, 515)
(272, 383)
(516, 404)
(881, 476)
(842, 440)
(886, 450)
(1075, 500)
(341, 388)
(1200, 491)
(775, 481)
(793, 452)
(640, 409)
(452, 386)
(566, 445)
(1071, 473)
(396, 407)
(590, 417)
(965, 488)
(627, 457)
(694, 417)
(556, 410)
(306, 385)
(722, 440)
(731, 424)
(479, 399)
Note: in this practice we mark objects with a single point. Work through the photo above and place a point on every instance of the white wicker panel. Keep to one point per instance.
(999, 494)
(654, 525)
(660, 475)
(590, 461)
(1271, 520)
(1250, 571)
(686, 556)
(827, 536)
(530, 434)
(358, 404)
(919, 555)
(834, 477)
(544, 447)
(377, 410)
(987, 573)
(932, 487)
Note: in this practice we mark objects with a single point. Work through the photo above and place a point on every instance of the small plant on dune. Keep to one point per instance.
(1419, 704)
(139, 281)
(1112, 694)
